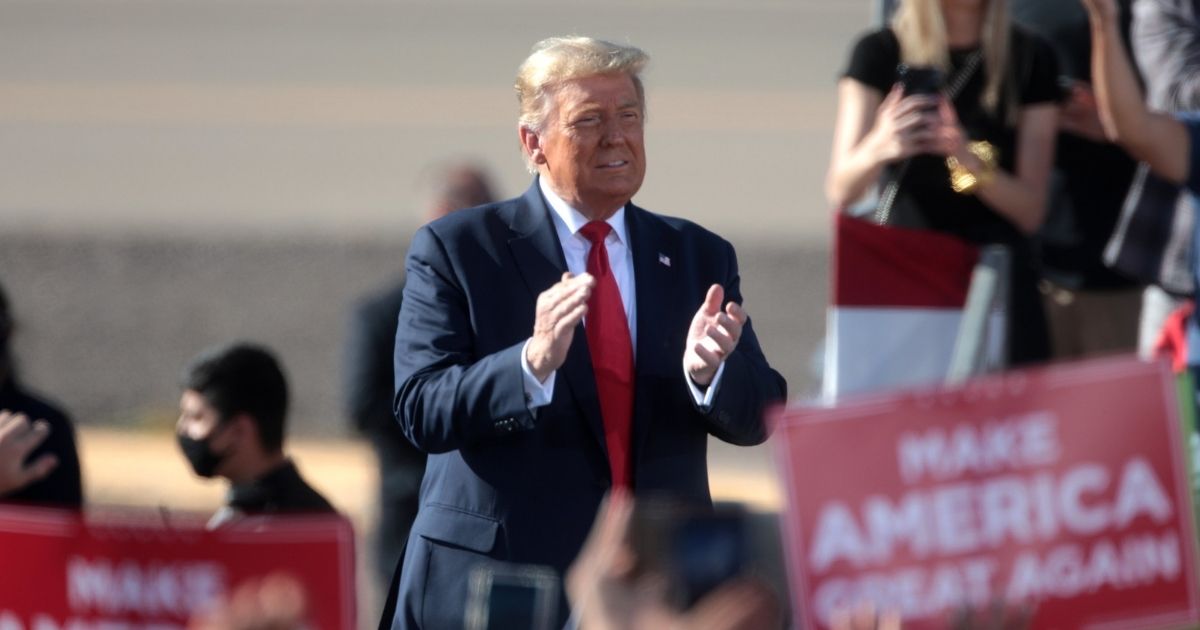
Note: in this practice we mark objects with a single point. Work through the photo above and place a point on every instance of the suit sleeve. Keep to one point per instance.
(749, 386)
(446, 394)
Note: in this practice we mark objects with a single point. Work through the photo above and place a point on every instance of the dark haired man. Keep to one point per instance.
(231, 424)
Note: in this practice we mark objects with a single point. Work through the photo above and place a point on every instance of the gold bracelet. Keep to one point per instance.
(963, 180)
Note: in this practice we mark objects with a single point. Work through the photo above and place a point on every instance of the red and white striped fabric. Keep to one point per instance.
(897, 299)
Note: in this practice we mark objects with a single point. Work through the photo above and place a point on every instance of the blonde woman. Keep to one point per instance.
(971, 159)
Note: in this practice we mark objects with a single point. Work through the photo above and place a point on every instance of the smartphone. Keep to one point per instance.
(504, 596)
(695, 549)
(919, 79)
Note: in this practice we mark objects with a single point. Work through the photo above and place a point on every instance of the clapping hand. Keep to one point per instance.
(559, 309)
(1080, 115)
(712, 337)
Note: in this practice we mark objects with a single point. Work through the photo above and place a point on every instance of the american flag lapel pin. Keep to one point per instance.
(665, 260)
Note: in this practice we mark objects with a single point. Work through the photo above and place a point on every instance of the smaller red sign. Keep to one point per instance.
(1064, 489)
(134, 569)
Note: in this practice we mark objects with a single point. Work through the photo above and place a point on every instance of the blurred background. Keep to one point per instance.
(178, 173)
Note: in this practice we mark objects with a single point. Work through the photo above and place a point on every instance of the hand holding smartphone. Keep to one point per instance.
(920, 81)
(694, 549)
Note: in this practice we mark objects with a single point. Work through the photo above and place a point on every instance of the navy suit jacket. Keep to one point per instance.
(503, 483)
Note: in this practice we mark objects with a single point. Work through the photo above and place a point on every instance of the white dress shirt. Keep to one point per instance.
(575, 247)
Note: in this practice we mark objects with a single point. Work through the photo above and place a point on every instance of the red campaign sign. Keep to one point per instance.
(1065, 489)
(130, 570)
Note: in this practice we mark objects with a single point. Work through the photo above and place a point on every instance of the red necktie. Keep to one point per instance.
(612, 354)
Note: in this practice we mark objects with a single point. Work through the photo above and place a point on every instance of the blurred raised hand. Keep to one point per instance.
(607, 593)
(18, 438)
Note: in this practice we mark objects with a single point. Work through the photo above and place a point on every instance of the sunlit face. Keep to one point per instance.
(591, 151)
(197, 418)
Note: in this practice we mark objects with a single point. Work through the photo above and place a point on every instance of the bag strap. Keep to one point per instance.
(959, 80)
(887, 198)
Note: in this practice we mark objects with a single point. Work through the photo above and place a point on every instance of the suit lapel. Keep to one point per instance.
(655, 248)
(540, 260)
(535, 247)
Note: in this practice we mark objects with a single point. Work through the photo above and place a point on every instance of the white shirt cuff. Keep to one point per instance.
(704, 398)
(538, 394)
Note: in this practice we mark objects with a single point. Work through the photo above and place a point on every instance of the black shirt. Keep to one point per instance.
(1033, 78)
(280, 491)
(63, 487)
(1090, 179)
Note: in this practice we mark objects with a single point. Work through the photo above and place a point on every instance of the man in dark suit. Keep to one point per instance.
(528, 417)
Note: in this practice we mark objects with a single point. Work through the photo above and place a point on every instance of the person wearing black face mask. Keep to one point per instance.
(198, 452)
(231, 425)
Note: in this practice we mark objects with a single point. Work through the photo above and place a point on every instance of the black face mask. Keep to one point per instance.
(199, 454)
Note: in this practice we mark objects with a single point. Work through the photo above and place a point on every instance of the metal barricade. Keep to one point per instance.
(982, 332)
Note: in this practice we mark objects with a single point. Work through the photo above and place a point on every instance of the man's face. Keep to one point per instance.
(197, 418)
(206, 441)
(591, 151)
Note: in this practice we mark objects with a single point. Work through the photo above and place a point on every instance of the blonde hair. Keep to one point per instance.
(921, 31)
(558, 59)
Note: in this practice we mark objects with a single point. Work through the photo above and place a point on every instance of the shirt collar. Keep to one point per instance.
(572, 219)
